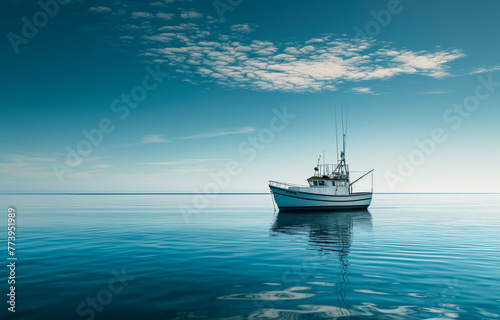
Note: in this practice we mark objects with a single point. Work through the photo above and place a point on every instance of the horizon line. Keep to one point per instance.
(211, 193)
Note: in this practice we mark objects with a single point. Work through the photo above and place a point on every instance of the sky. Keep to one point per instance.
(222, 96)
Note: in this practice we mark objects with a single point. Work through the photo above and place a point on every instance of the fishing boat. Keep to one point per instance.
(329, 188)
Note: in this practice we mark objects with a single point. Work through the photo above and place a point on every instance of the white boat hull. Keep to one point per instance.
(287, 199)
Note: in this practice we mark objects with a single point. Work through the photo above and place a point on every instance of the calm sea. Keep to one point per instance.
(410, 256)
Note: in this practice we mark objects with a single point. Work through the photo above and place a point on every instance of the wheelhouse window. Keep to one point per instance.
(315, 182)
(321, 183)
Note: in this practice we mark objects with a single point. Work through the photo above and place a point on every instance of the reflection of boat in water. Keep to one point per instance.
(328, 232)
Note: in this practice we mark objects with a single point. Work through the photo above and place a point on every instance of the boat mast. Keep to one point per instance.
(344, 133)
(336, 136)
(341, 167)
(342, 153)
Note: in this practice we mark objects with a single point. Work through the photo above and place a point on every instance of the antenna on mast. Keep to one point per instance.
(316, 169)
(324, 172)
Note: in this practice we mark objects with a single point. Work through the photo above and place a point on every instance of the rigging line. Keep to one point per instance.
(342, 157)
(346, 118)
(346, 121)
(336, 134)
(343, 134)
(342, 117)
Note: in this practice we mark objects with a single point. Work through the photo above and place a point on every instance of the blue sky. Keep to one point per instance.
(203, 80)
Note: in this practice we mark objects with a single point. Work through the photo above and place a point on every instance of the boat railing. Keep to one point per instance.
(332, 170)
(325, 169)
(285, 185)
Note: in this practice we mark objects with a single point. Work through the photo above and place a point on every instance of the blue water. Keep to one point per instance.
(408, 257)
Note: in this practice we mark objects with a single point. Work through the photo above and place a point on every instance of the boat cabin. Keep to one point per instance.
(326, 182)
(338, 186)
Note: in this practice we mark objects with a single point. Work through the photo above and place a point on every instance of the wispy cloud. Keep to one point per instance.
(153, 138)
(100, 9)
(191, 15)
(85, 174)
(245, 28)
(138, 15)
(166, 16)
(435, 92)
(181, 162)
(484, 70)
(20, 165)
(200, 50)
(39, 166)
(220, 132)
(315, 66)
(362, 90)
(158, 4)
(102, 166)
